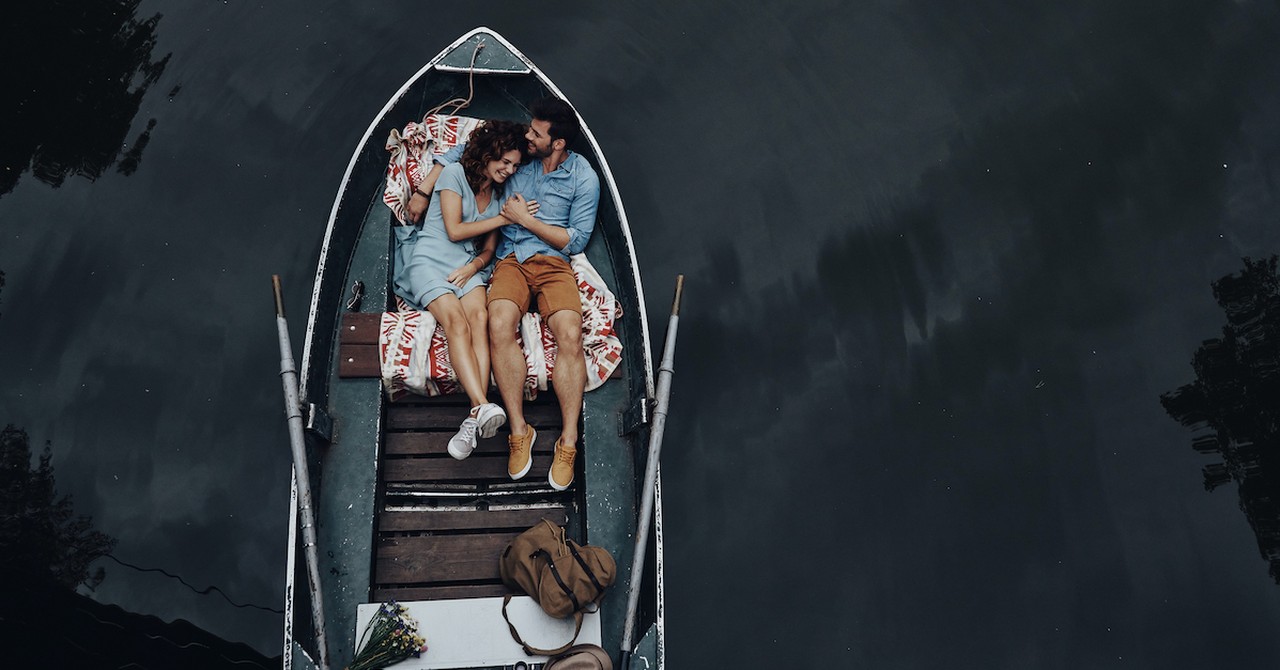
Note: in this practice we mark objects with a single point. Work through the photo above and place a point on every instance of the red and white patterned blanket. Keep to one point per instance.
(415, 354)
(412, 151)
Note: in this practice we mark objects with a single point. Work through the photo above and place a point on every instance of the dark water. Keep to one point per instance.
(943, 262)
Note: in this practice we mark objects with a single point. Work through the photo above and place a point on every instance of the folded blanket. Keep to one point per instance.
(412, 152)
(415, 354)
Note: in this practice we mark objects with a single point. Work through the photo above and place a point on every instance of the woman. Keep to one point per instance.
(443, 264)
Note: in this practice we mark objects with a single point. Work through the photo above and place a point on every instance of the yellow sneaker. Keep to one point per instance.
(561, 475)
(521, 458)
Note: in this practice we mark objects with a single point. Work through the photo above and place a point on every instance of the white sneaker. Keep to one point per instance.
(490, 417)
(464, 442)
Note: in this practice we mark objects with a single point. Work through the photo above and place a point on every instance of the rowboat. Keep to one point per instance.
(394, 517)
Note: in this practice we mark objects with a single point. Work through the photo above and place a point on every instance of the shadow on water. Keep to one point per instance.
(1234, 403)
(100, 56)
(46, 555)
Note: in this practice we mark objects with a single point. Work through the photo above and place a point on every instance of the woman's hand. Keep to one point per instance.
(416, 207)
(462, 275)
(518, 210)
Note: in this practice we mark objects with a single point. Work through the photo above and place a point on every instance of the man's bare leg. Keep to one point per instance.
(570, 375)
(508, 361)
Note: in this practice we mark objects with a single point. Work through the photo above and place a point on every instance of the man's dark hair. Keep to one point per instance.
(563, 120)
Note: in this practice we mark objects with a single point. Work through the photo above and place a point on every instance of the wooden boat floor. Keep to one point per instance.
(443, 523)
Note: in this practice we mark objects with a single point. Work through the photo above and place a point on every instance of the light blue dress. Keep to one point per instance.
(424, 254)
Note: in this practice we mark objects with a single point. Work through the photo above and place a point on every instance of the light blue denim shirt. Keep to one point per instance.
(568, 197)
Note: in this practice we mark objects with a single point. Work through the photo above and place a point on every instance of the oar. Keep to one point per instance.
(665, 371)
(293, 410)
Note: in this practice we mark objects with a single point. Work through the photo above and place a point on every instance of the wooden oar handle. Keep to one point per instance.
(675, 304)
(275, 285)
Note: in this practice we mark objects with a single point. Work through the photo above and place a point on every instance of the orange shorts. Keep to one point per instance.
(547, 278)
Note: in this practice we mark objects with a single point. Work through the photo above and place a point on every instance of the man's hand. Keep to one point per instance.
(416, 207)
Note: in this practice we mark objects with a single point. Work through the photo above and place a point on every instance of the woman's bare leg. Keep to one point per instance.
(447, 310)
(473, 305)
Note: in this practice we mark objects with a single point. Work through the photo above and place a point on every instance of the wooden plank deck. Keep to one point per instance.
(442, 522)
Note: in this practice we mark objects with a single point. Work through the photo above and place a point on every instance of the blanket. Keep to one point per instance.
(414, 149)
(415, 353)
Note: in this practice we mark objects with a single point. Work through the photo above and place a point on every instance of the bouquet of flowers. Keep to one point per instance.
(390, 637)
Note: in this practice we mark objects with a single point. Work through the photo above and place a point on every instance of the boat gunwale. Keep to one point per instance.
(323, 268)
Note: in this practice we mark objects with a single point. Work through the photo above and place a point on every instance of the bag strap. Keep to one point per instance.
(573, 548)
(555, 572)
(534, 651)
(557, 532)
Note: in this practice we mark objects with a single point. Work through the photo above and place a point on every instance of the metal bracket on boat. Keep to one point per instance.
(319, 424)
(636, 416)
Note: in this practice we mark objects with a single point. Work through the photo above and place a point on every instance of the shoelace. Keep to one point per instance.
(565, 454)
(468, 432)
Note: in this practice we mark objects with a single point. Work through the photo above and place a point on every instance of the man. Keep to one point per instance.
(533, 268)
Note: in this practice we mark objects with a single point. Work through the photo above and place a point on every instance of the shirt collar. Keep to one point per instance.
(569, 162)
(567, 165)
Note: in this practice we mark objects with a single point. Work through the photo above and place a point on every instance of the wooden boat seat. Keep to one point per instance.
(358, 346)
(471, 633)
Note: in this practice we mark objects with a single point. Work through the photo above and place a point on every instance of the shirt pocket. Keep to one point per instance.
(557, 194)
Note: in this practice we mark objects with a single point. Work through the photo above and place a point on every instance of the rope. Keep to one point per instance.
(462, 103)
(203, 592)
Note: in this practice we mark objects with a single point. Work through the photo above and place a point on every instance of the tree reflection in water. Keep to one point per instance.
(46, 552)
(41, 536)
(75, 75)
(1234, 403)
